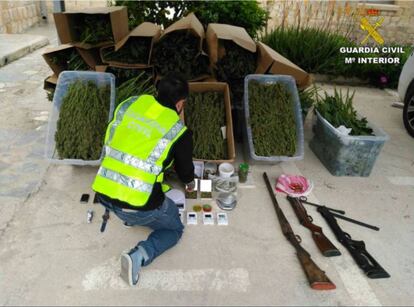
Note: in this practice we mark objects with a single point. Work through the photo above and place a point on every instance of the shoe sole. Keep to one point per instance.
(126, 269)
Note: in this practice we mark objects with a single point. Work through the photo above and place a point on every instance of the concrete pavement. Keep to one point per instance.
(49, 255)
(15, 46)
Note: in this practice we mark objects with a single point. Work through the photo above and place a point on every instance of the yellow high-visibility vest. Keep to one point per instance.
(137, 142)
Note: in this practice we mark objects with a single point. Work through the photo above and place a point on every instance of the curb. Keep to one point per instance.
(34, 42)
(339, 80)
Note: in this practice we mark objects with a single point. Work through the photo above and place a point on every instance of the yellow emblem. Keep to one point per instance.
(372, 30)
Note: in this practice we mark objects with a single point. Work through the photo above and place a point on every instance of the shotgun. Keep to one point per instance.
(322, 242)
(316, 277)
(356, 248)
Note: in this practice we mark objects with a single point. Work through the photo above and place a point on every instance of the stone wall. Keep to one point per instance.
(344, 17)
(17, 16)
(74, 5)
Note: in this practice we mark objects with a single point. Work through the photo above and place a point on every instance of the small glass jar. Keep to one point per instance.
(243, 171)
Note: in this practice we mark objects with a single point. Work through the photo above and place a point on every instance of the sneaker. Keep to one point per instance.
(131, 263)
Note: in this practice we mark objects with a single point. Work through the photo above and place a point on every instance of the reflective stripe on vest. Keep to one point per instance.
(149, 167)
(119, 115)
(125, 180)
(162, 144)
(132, 161)
(128, 172)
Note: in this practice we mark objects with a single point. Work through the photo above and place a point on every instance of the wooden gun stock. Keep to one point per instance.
(316, 277)
(322, 242)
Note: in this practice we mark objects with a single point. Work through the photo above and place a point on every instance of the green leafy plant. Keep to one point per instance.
(94, 28)
(317, 50)
(135, 51)
(82, 121)
(207, 135)
(50, 93)
(69, 59)
(123, 74)
(159, 12)
(338, 110)
(272, 119)
(141, 84)
(236, 63)
(179, 51)
(308, 98)
(314, 50)
(247, 14)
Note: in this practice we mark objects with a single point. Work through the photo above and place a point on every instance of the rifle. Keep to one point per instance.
(316, 277)
(357, 248)
(322, 242)
(303, 199)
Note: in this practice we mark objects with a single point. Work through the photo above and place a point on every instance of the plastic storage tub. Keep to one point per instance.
(65, 79)
(346, 155)
(290, 84)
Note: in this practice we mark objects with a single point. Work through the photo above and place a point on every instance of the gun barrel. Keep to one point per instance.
(316, 277)
(305, 201)
(356, 222)
(286, 228)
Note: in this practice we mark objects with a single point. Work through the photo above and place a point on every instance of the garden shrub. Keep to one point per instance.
(247, 14)
(318, 51)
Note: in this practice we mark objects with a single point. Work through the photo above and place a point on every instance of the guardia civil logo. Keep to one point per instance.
(371, 26)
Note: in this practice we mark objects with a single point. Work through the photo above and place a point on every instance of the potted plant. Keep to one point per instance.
(307, 99)
(347, 144)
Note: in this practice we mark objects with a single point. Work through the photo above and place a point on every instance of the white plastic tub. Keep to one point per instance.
(290, 84)
(346, 155)
(65, 79)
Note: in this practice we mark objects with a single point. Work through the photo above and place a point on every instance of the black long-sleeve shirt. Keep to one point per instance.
(181, 152)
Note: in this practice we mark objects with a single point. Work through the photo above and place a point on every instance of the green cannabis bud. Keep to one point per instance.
(82, 121)
(204, 116)
(272, 119)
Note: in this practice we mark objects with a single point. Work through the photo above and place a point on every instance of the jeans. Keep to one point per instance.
(164, 220)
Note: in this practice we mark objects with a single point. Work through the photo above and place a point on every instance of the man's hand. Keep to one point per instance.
(189, 187)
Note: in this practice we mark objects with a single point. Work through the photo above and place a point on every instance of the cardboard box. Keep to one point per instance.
(201, 87)
(191, 23)
(238, 35)
(101, 68)
(90, 57)
(146, 29)
(271, 62)
(50, 82)
(66, 21)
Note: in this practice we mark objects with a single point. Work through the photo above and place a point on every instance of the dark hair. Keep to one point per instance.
(171, 89)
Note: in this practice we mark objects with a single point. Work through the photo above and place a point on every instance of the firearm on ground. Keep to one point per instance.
(316, 277)
(322, 242)
(357, 248)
